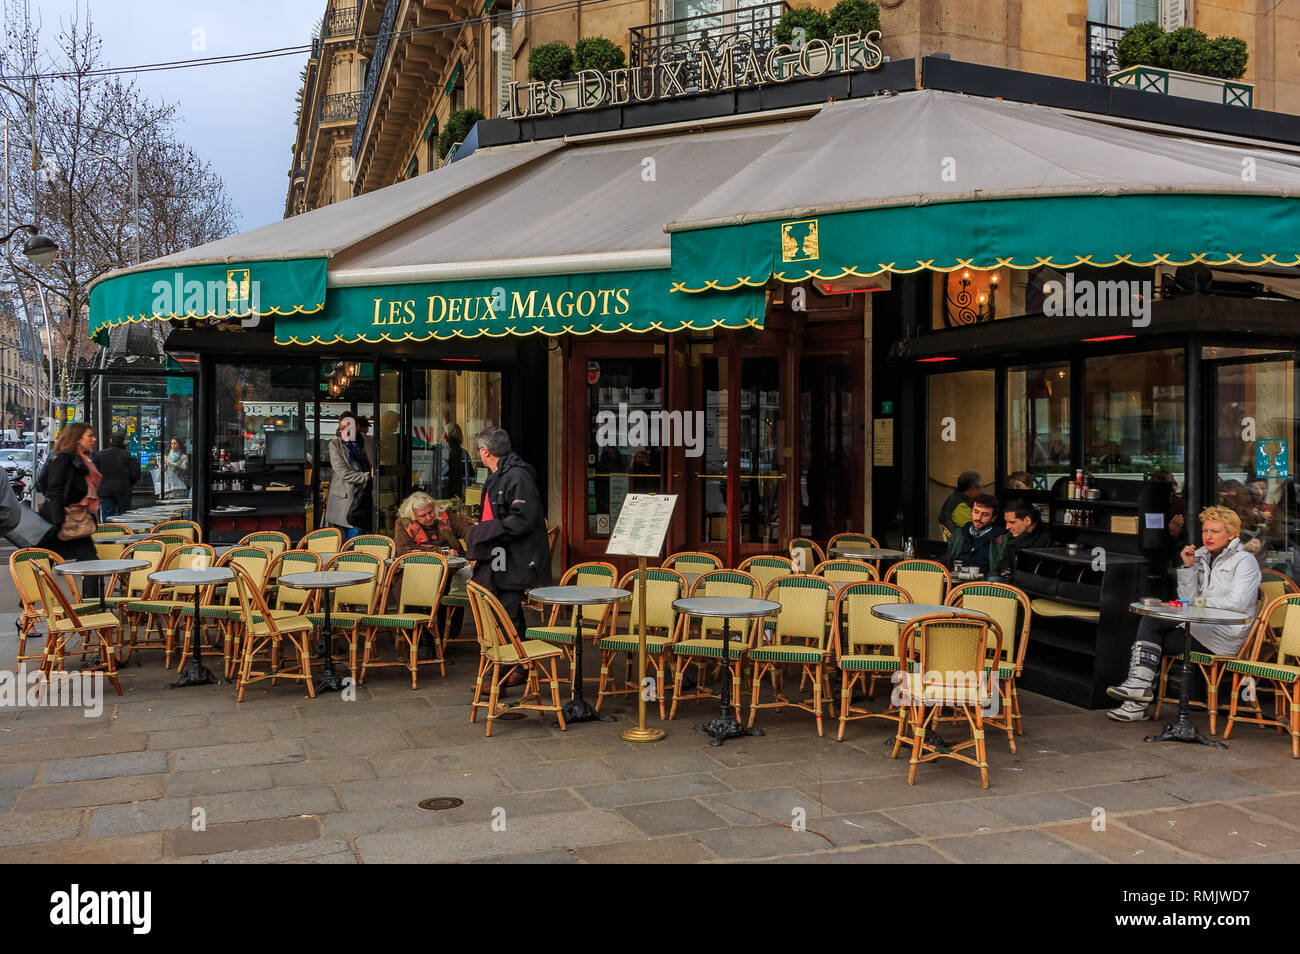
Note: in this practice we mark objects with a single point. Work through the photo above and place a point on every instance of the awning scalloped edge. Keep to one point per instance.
(536, 330)
(268, 313)
(928, 265)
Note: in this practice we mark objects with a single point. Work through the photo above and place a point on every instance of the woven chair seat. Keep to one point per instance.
(630, 643)
(1276, 671)
(156, 606)
(345, 620)
(93, 621)
(533, 649)
(791, 654)
(1205, 659)
(455, 599)
(285, 624)
(395, 620)
(551, 634)
(865, 662)
(914, 689)
(709, 647)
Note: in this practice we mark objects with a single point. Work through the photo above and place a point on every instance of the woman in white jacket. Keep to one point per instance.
(1222, 572)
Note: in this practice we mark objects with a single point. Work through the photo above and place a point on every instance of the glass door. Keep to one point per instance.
(1254, 425)
(449, 407)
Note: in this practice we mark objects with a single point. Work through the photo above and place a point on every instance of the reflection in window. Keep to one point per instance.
(1038, 423)
(624, 440)
(449, 411)
(1134, 414)
(960, 433)
(760, 440)
(1256, 477)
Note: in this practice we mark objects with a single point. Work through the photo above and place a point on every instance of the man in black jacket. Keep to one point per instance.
(121, 471)
(514, 523)
(1025, 532)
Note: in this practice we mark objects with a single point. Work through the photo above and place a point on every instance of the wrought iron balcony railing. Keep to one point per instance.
(340, 106)
(1102, 40)
(340, 21)
(682, 40)
(373, 69)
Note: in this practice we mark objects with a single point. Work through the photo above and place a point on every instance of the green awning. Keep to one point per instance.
(614, 301)
(1056, 231)
(227, 290)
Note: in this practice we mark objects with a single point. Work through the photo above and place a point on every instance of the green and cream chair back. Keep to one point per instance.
(136, 583)
(181, 528)
(501, 652)
(560, 632)
(226, 607)
(351, 604)
(866, 646)
(1009, 609)
(846, 571)
(105, 532)
(926, 580)
(291, 597)
(1282, 675)
(852, 540)
(805, 554)
(375, 544)
(1272, 586)
(22, 569)
(799, 638)
(662, 587)
(707, 645)
(693, 561)
(420, 580)
(767, 567)
(263, 653)
(326, 541)
(90, 635)
(272, 541)
(945, 669)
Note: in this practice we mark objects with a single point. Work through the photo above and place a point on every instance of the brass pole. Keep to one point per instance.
(641, 733)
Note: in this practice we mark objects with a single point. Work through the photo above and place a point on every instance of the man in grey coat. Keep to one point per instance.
(1222, 572)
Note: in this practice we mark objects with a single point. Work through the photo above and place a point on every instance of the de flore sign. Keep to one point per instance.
(726, 69)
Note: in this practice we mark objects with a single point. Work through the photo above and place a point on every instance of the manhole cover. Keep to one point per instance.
(441, 803)
(511, 716)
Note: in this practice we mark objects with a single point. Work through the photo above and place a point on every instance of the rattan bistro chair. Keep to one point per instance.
(105, 532)
(590, 620)
(420, 580)
(501, 652)
(263, 647)
(182, 528)
(22, 569)
(91, 637)
(1282, 675)
(351, 604)
(799, 639)
(866, 646)
(805, 550)
(662, 623)
(926, 580)
(375, 544)
(692, 561)
(846, 571)
(164, 612)
(707, 646)
(224, 608)
(272, 541)
(767, 567)
(326, 541)
(851, 540)
(944, 667)
(1008, 607)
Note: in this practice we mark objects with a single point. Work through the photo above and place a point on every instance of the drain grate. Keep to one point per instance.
(441, 803)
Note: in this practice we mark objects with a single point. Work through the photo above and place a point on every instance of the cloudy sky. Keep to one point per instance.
(239, 117)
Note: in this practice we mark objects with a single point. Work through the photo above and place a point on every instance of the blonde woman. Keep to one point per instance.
(1227, 577)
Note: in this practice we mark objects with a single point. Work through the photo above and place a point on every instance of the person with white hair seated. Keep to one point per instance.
(422, 526)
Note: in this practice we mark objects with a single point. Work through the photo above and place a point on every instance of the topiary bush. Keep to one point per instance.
(1224, 56)
(813, 22)
(1137, 46)
(853, 16)
(1178, 49)
(597, 53)
(550, 61)
(458, 126)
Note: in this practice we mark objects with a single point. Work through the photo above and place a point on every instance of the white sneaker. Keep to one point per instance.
(1129, 712)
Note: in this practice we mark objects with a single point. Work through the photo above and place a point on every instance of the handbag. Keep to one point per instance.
(77, 523)
(31, 531)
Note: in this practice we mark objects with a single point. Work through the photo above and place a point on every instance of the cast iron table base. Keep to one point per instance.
(726, 726)
(1181, 729)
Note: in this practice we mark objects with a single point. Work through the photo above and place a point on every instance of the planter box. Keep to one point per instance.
(1208, 89)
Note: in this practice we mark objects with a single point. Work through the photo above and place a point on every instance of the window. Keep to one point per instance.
(1038, 423)
(1134, 414)
(1124, 13)
(449, 411)
(960, 433)
(624, 398)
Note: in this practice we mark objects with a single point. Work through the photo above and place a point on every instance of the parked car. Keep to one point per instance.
(17, 458)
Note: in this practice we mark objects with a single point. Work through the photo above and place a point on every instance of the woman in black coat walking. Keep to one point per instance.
(72, 478)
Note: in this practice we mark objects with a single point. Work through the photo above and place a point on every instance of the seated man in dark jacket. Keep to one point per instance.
(1025, 531)
(978, 543)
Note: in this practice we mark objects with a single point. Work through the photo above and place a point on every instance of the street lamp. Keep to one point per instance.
(40, 251)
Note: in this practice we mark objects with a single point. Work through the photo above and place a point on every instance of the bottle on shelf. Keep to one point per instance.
(1078, 485)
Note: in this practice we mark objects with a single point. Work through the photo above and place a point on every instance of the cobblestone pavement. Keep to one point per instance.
(281, 778)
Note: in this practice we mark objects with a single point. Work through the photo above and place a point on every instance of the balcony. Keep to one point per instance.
(337, 107)
(684, 39)
(1102, 40)
(373, 69)
(340, 21)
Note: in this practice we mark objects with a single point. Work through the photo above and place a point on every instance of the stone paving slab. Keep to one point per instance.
(92, 793)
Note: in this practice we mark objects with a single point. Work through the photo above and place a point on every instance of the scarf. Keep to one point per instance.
(93, 478)
(357, 455)
(420, 537)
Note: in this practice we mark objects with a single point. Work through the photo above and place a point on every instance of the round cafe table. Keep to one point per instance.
(100, 568)
(727, 608)
(326, 580)
(577, 709)
(1181, 729)
(906, 612)
(195, 674)
(851, 551)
